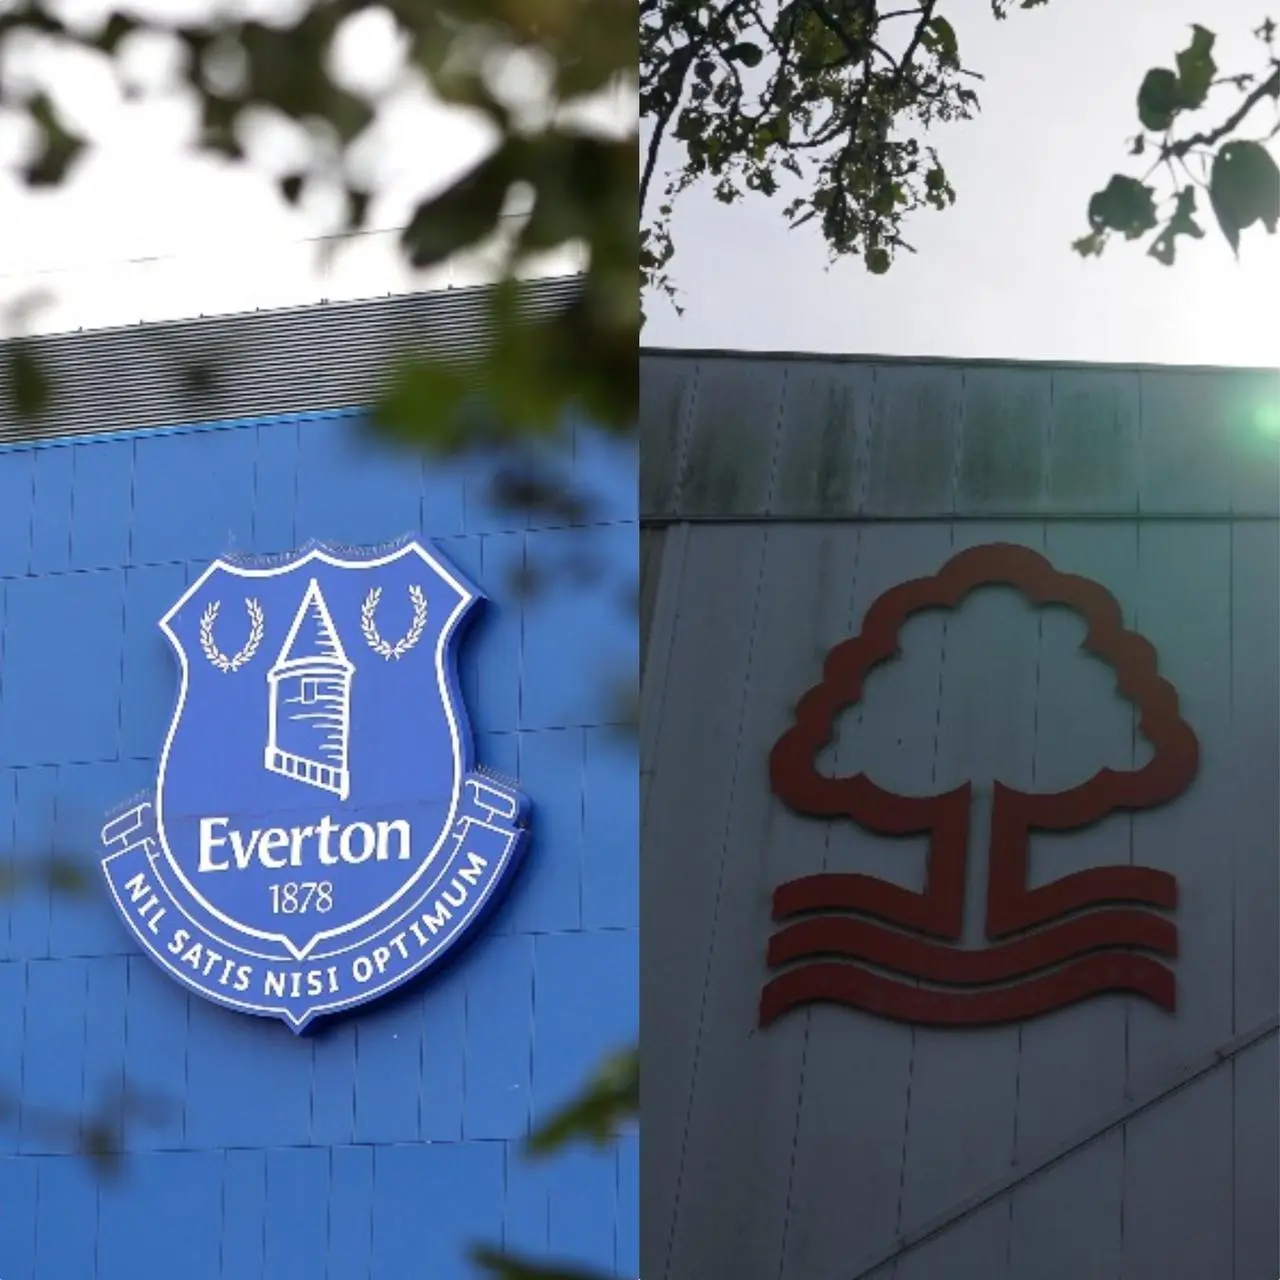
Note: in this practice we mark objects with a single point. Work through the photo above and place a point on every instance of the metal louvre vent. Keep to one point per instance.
(323, 356)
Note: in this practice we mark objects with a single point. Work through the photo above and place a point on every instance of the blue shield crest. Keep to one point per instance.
(319, 831)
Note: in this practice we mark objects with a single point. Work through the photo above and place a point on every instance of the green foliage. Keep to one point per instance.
(609, 1100)
(28, 384)
(1237, 172)
(1244, 186)
(829, 116)
(582, 183)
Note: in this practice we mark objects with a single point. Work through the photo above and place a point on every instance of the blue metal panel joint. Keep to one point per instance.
(319, 832)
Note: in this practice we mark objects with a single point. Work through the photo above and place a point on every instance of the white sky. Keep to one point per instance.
(995, 276)
(142, 230)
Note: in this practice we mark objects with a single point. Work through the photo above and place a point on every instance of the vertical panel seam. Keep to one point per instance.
(715, 915)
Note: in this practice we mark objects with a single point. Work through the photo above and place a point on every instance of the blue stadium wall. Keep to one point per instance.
(384, 1146)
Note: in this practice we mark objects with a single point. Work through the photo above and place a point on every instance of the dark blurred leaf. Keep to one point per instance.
(200, 377)
(30, 390)
(1125, 205)
(58, 148)
(506, 1267)
(64, 875)
(1244, 188)
(1183, 223)
(1159, 99)
(117, 27)
(523, 581)
(464, 214)
(528, 488)
(942, 41)
(357, 208)
(609, 1101)
(1196, 68)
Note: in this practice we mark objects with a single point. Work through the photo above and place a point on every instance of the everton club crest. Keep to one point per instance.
(319, 831)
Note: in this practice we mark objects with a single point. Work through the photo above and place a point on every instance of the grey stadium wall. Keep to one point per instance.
(1113, 1135)
(387, 1142)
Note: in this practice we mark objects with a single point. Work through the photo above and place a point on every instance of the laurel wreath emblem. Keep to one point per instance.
(211, 650)
(406, 642)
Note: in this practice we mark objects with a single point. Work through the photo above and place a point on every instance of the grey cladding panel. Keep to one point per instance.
(825, 437)
(652, 542)
(667, 390)
(1253, 416)
(925, 439)
(684, 833)
(1183, 608)
(1178, 1218)
(1003, 442)
(1195, 426)
(914, 440)
(1257, 1161)
(1255, 768)
(727, 464)
(1093, 445)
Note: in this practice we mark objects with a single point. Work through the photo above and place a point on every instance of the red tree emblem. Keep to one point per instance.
(1049, 946)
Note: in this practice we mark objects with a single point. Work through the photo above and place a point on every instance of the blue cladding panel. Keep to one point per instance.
(255, 1080)
(193, 495)
(579, 631)
(275, 484)
(105, 1029)
(495, 643)
(432, 1204)
(610, 795)
(13, 984)
(386, 1144)
(68, 1191)
(356, 491)
(17, 481)
(19, 1196)
(147, 676)
(165, 1220)
(101, 502)
(499, 1026)
(444, 1044)
(297, 1213)
(333, 1082)
(586, 1008)
(244, 1215)
(389, 1071)
(350, 1214)
(51, 510)
(35, 793)
(606, 470)
(628, 1236)
(527, 1219)
(57, 996)
(64, 633)
(582, 1209)
(551, 767)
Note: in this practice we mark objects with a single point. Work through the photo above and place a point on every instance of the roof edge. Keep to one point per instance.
(862, 357)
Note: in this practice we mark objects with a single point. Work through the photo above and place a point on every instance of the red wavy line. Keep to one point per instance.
(853, 891)
(917, 958)
(836, 983)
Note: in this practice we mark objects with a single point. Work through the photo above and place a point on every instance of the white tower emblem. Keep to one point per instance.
(310, 701)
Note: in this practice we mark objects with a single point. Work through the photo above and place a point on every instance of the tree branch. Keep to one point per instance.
(1269, 88)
